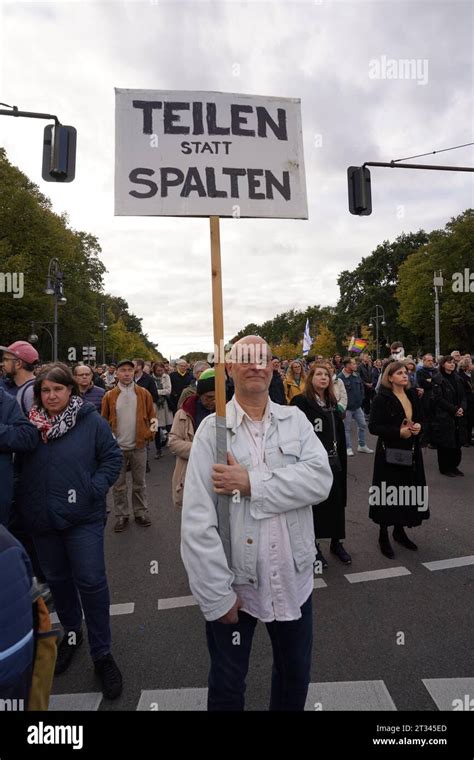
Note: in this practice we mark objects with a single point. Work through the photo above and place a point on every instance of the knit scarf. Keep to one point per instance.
(55, 427)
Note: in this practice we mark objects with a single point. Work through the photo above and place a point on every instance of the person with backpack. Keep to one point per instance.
(19, 361)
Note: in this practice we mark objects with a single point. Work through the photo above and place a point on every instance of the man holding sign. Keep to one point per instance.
(276, 469)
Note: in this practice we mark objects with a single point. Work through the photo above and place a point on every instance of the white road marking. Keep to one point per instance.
(115, 609)
(173, 699)
(349, 695)
(451, 693)
(445, 564)
(73, 702)
(176, 601)
(376, 575)
(319, 583)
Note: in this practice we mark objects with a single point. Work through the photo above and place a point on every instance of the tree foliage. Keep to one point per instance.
(31, 234)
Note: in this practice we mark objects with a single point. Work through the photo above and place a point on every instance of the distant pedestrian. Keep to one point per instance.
(294, 382)
(185, 424)
(355, 397)
(130, 412)
(89, 391)
(395, 418)
(276, 390)
(163, 413)
(448, 420)
(319, 404)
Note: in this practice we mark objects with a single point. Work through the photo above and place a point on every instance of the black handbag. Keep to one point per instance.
(401, 457)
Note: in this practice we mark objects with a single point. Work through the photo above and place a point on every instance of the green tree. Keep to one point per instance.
(449, 250)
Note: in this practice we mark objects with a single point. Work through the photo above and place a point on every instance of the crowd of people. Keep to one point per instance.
(68, 434)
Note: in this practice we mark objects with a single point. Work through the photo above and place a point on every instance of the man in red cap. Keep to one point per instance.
(19, 361)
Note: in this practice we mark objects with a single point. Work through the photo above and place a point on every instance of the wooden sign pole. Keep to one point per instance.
(219, 366)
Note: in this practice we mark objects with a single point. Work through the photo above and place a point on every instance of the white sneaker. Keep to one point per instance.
(365, 450)
(350, 453)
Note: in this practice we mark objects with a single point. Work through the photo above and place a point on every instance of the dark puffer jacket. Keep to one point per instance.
(64, 482)
(17, 434)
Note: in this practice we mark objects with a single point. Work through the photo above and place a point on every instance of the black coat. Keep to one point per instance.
(386, 417)
(447, 430)
(178, 384)
(329, 515)
(276, 390)
(467, 384)
(146, 381)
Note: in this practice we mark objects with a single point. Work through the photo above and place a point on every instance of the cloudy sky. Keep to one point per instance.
(66, 58)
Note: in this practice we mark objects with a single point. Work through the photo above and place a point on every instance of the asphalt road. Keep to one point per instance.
(376, 641)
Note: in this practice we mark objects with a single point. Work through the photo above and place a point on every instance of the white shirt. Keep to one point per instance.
(282, 590)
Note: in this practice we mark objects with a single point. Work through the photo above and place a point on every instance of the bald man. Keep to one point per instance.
(277, 468)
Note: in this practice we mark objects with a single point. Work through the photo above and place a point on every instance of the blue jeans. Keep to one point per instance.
(292, 643)
(73, 564)
(358, 416)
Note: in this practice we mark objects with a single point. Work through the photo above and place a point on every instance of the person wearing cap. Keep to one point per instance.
(130, 412)
(277, 389)
(19, 361)
(186, 421)
(276, 469)
(190, 390)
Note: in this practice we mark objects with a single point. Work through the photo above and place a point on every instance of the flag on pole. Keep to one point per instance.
(357, 344)
(307, 339)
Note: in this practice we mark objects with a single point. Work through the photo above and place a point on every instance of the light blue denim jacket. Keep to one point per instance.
(298, 476)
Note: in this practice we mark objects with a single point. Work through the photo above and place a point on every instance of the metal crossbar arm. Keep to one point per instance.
(29, 114)
(394, 165)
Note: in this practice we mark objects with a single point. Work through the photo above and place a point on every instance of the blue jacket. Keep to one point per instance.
(16, 612)
(64, 482)
(94, 395)
(355, 390)
(17, 434)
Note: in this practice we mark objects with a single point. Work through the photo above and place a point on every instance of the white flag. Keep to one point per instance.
(307, 340)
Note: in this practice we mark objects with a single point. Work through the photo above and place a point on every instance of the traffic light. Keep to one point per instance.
(59, 153)
(360, 195)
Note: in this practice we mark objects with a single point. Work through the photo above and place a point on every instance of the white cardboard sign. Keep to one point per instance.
(208, 153)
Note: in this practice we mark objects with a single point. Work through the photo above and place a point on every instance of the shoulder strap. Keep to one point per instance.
(21, 396)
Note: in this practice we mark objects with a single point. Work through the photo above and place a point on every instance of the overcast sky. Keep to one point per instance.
(67, 57)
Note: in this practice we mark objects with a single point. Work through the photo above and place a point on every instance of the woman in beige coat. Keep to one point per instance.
(186, 422)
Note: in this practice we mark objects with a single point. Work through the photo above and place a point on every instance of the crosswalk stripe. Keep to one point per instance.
(349, 695)
(73, 702)
(337, 695)
(173, 699)
(451, 693)
(126, 608)
(319, 583)
(176, 601)
(376, 575)
(445, 564)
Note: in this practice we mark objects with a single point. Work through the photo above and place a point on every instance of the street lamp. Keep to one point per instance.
(33, 338)
(103, 326)
(377, 317)
(437, 283)
(54, 287)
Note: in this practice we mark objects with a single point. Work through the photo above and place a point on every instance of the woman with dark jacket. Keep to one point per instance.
(62, 491)
(396, 418)
(448, 421)
(465, 376)
(318, 402)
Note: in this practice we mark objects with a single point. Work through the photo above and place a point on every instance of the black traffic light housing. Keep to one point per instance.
(360, 195)
(59, 153)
